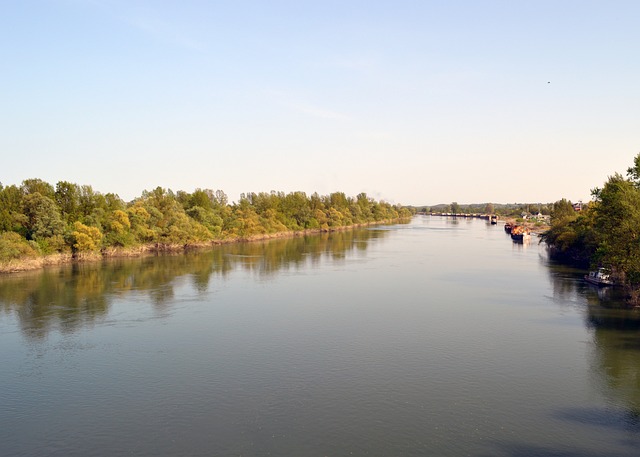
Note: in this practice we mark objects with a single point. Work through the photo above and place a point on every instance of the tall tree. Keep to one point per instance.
(67, 197)
(33, 185)
(11, 217)
(489, 208)
(617, 221)
(42, 217)
(562, 211)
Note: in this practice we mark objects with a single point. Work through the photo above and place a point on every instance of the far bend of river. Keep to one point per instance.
(439, 337)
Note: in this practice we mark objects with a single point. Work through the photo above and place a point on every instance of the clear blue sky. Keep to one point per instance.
(414, 102)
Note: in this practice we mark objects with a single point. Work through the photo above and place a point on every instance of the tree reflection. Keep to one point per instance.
(616, 356)
(69, 297)
(615, 359)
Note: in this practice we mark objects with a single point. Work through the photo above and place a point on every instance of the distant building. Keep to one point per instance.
(542, 218)
(577, 206)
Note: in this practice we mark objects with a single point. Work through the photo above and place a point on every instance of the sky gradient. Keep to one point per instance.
(413, 102)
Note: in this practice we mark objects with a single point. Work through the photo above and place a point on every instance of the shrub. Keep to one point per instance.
(13, 246)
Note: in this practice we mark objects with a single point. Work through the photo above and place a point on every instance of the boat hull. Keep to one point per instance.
(598, 281)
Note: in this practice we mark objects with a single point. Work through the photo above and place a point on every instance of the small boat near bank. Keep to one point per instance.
(600, 277)
(508, 226)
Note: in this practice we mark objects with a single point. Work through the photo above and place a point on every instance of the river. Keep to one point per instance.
(437, 337)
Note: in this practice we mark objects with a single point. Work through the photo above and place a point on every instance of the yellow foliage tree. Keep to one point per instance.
(86, 238)
(120, 222)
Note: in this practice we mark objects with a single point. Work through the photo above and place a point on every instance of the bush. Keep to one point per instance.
(51, 244)
(13, 246)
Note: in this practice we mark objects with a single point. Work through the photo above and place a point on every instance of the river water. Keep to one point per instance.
(438, 337)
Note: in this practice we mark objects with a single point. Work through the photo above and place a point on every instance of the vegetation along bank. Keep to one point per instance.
(605, 233)
(41, 224)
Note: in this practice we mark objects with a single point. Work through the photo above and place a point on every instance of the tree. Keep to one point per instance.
(118, 229)
(208, 218)
(562, 211)
(31, 186)
(633, 173)
(246, 221)
(617, 221)
(202, 198)
(364, 204)
(489, 208)
(455, 208)
(11, 217)
(86, 238)
(67, 197)
(605, 233)
(42, 217)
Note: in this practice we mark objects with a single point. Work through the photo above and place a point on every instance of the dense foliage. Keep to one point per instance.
(37, 218)
(606, 233)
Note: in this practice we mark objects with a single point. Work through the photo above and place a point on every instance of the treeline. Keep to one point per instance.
(38, 219)
(501, 209)
(606, 233)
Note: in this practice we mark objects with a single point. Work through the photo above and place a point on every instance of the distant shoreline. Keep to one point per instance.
(534, 227)
(30, 264)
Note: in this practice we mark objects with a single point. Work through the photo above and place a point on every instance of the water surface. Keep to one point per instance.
(438, 337)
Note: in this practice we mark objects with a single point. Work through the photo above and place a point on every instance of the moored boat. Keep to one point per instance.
(600, 277)
(520, 233)
(508, 226)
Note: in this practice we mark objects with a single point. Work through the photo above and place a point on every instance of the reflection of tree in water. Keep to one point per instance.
(616, 356)
(271, 257)
(616, 336)
(566, 285)
(69, 297)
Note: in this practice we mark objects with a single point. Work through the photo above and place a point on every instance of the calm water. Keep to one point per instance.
(438, 337)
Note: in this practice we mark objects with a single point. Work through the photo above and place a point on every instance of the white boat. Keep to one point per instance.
(600, 277)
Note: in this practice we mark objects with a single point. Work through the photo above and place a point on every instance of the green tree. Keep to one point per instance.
(617, 221)
(33, 185)
(11, 216)
(246, 221)
(118, 229)
(633, 173)
(562, 212)
(489, 208)
(67, 197)
(364, 204)
(42, 217)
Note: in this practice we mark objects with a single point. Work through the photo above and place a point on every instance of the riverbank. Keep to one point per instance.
(533, 227)
(36, 263)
